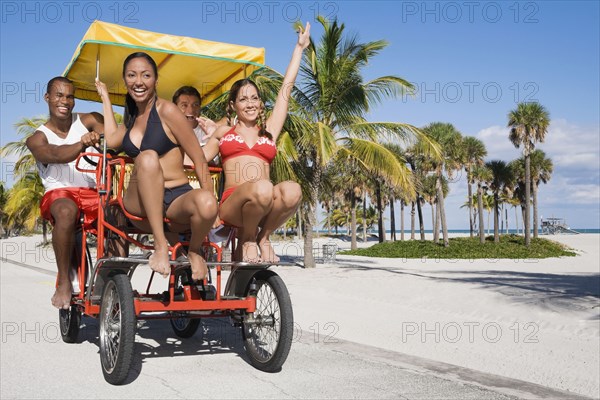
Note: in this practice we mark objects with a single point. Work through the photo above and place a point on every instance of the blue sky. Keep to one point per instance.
(472, 62)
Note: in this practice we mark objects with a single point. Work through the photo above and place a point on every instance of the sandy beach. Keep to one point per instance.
(533, 320)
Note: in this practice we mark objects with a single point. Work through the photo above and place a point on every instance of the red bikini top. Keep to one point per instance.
(233, 145)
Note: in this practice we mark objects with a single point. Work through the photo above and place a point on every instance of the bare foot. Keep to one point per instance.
(199, 268)
(62, 295)
(159, 261)
(267, 253)
(250, 252)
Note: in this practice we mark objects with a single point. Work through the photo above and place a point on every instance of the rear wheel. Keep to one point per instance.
(268, 331)
(117, 329)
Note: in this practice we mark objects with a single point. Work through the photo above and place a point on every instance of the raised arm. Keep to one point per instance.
(47, 153)
(113, 133)
(276, 120)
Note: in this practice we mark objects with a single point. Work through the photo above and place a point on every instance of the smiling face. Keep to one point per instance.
(61, 100)
(140, 79)
(247, 104)
(190, 106)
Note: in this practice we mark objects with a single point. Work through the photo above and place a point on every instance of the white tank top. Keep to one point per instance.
(55, 176)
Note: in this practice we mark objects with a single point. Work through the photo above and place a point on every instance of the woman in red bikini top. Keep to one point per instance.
(156, 134)
(250, 200)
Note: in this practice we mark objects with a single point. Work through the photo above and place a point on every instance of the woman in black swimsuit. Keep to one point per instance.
(156, 134)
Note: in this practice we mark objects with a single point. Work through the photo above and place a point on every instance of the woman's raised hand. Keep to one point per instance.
(304, 36)
(101, 88)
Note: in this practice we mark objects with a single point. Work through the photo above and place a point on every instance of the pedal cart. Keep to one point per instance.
(253, 297)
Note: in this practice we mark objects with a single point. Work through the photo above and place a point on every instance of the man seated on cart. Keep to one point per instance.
(55, 145)
(188, 100)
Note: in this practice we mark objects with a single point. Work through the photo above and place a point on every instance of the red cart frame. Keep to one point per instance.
(254, 297)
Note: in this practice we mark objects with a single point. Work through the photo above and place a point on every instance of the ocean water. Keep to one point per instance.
(491, 232)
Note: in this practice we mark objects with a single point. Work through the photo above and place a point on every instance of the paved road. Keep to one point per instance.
(35, 363)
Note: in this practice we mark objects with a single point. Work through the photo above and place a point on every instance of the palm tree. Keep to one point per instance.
(413, 157)
(528, 125)
(541, 171)
(334, 99)
(25, 127)
(481, 174)
(3, 215)
(502, 178)
(474, 152)
(450, 141)
(22, 204)
(430, 195)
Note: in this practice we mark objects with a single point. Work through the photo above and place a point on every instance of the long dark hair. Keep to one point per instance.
(233, 93)
(131, 109)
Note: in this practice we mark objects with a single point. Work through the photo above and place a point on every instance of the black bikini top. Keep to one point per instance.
(155, 138)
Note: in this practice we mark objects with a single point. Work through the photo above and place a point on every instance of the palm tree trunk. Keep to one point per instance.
(392, 221)
(353, 244)
(516, 220)
(496, 222)
(420, 213)
(470, 194)
(364, 227)
(412, 220)
(434, 220)
(308, 212)
(380, 212)
(299, 229)
(534, 186)
(523, 217)
(480, 211)
(329, 217)
(402, 220)
(440, 195)
(527, 194)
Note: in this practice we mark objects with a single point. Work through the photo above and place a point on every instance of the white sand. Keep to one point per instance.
(534, 320)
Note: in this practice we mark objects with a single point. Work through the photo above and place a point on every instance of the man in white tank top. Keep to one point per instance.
(55, 146)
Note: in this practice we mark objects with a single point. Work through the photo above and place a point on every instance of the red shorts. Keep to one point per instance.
(226, 193)
(86, 200)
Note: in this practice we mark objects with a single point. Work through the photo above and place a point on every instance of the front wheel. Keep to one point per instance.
(117, 329)
(268, 331)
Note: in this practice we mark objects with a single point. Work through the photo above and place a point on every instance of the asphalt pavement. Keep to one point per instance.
(35, 363)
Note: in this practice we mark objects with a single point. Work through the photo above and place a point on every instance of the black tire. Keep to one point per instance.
(117, 329)
(268, 332)
(183, 326)
(70, 321)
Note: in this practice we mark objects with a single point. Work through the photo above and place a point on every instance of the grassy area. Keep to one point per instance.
(510, 246)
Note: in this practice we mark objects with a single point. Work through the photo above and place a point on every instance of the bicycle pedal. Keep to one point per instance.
(207, 292)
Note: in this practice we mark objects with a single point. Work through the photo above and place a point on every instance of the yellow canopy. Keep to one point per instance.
(210, 67)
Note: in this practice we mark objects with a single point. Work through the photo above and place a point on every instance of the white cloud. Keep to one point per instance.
(575, 152)
(568, 145)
